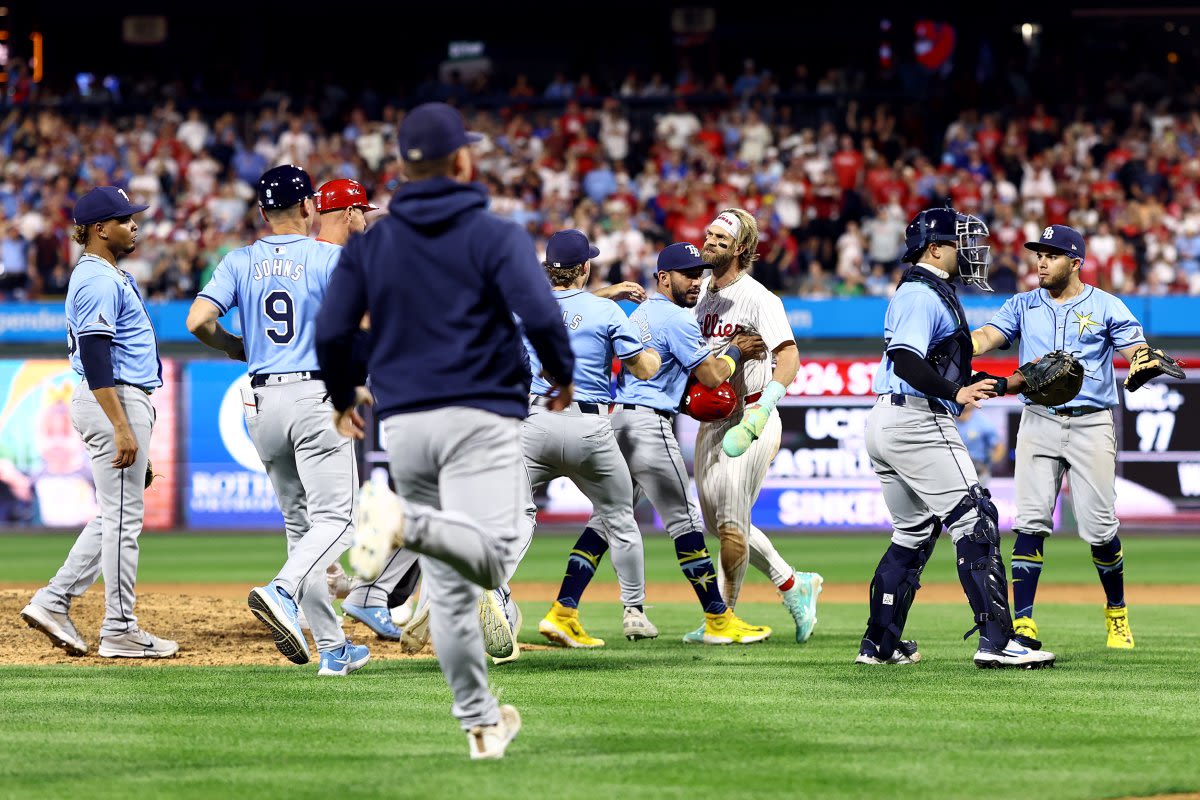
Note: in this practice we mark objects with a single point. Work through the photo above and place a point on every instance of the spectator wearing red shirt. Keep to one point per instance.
(847, 164)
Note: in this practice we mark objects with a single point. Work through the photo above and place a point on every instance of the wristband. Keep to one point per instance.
(772, 394)
(732, 364)
(734, 352)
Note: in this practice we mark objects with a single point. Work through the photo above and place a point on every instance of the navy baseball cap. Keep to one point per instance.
(104, 202)
(284, 186)
(681, 255)
(1059, 239)
(569, 248)
(432, 130)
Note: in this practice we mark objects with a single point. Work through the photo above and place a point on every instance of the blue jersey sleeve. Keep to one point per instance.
(1123, 329)
(911, 319)
(1008, 319)
(624, 334)
(685, 342)
(221, 289)
(97, 303)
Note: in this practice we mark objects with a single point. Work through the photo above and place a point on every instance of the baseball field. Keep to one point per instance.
(231, 717)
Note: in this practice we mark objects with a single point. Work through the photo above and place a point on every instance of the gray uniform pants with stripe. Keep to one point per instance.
(647, 442)
(315, 477)
(459, 471)
(109, 543)
(393, 586)
(1049, 446)
(923, 468)
(582, 447)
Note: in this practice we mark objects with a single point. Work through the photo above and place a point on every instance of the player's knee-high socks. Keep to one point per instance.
(1110, 563)
(581, 566)
(697, 567)
(1026, 569)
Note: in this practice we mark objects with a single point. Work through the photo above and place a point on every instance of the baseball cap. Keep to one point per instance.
(568, 248)
(104, 202)
(284, 186)
(432, 130)
(1059, 239)
(681, 255)
(343, 193)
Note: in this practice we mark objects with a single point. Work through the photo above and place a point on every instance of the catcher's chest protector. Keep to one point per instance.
(952, 358)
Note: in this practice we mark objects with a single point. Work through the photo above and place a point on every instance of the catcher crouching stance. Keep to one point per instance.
(1067, 424)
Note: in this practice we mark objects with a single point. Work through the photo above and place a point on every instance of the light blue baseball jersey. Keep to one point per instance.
(1091, 326)
(277, 284)
(598, 329)
(675, 334)
(916, 320)
(105, 301)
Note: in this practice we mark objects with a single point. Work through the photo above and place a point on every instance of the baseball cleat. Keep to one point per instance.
(512, 612)
(343, 660)
(561, 626)
(1014, 654)
(490, 741)
(377, 618)
(279, 612)
(1116, 620)
(58, 627)
(636, 625)
(727, 628)
(498, 638)
(416, 632)
(801, 602)
(905, 653)
(136, 644)
(379, 529)
(402, 613)
(696, 636)
(1025, 632)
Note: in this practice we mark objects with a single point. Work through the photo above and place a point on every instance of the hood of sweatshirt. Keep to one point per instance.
(436, 201)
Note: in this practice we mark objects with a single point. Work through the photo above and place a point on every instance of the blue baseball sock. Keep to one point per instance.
(581, 566)
(698, 568)
(1026, 569)
(1110, 563)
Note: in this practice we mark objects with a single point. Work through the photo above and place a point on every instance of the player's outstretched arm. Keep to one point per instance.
(202, 322)
(644, 364)
(985, 339)
(626, 290)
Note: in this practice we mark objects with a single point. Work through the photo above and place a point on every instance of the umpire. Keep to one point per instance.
(442, 279)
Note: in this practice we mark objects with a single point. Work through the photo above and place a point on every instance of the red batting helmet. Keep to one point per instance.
(709, 405)
(343, 193)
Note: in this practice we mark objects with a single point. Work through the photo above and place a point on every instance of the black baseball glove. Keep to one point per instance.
(1150, 362)
(1052, 380)
(1001, 384)
(149, 473)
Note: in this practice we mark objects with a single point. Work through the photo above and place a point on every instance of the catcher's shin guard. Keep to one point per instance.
(893, 590)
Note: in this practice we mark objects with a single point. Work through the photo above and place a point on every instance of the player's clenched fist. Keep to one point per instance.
(349, 423)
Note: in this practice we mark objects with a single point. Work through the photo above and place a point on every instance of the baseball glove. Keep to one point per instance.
(1150, 362)
(149, 473)
(1054, 379)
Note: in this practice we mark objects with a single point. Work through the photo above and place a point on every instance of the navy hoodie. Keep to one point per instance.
(442, 278)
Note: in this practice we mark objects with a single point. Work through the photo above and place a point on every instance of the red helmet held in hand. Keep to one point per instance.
(709, 405)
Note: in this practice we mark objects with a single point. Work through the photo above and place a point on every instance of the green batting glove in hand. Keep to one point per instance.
(738, 439)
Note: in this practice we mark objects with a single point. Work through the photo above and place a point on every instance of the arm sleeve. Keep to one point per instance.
(523, 284)
(773, 325)
(624, 334)
(917, 373)
(1008, 319)
(95, 352)
(341, 353)
(97, 304)
(221, 289)
(1123, 328)
(685, 342)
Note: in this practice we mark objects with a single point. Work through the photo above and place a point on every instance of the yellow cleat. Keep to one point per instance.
(726, 628)
(562, 627)
(1119, 635)
(1024, 626)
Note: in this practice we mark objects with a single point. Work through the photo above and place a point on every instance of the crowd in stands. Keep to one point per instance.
(637, 167)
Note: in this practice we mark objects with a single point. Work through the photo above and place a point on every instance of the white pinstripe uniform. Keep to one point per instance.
(728, 486)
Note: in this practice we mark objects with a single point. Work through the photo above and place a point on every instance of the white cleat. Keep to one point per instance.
(490, 741)
(1014, 654)
(58, 627)
(379, 529)
(637, 625)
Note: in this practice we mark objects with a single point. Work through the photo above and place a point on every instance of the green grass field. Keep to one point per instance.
(652, 719)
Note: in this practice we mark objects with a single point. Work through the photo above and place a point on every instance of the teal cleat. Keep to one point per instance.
(801, 601)
(696, 636)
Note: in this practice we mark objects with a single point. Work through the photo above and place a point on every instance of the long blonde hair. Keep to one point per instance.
(747, 236)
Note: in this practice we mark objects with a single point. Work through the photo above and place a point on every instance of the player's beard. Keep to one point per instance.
(717, 260)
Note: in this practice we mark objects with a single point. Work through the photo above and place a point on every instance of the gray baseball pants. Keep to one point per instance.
(315, 477)
(582, 447)
(1049, 446)
(459, 471)
(109, 543)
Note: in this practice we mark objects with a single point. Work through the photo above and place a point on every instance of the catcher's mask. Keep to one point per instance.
(964, 231)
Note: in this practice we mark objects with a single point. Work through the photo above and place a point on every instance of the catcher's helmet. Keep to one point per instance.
(343, 193)
(709, 405)
(964, 231)
(283, 186)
